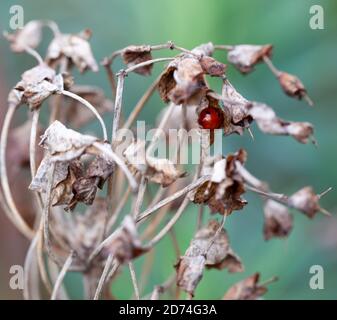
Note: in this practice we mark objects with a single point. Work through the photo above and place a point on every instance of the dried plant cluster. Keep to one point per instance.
(68, 167)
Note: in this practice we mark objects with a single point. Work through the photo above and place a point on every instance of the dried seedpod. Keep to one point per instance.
(247, 289)
(209, 248)
(291, 85)
(222, 193)
(245, 56)
(27, 37)
(278, 222)
(74, 47)
(133, 55)
(158, 170)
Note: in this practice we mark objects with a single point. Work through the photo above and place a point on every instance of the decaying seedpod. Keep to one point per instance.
(133, 55)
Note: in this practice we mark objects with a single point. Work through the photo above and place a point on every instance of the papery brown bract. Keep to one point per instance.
(278, 221)
(245, 57)
(306, 201)
(222, 193)
(36, 85)
(29, 36)
(158, 170)
(133, 55)
(209, 248)
(247, 289)
(74, 47)
(291, 85)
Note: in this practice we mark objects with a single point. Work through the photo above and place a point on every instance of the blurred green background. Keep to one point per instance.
(286, 164)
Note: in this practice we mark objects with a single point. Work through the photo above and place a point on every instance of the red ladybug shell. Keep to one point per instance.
(211, 118)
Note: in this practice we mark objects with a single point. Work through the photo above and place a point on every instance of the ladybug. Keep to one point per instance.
(211, 118)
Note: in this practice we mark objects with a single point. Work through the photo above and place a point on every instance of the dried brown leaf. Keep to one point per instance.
(245, 57)
(75, 47)
(133, 55)
(291, 85)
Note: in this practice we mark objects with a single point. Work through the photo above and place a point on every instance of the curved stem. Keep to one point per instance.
(28, 268)
(146, 63)
(52, 26)
(15, 216)
(103, 277)
(34, 53)
(61, 275)
(89, 106)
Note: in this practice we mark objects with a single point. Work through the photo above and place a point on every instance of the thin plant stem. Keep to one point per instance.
(34, 54)
(134, 280)
(172, 197)
(140, 197)
(146, 63)
(15, 216)
(89, 106)
(200, 216)
(271, 66)
(61, 275)
(223, 47)
(118, 209)
(28, 268)
(103, 277)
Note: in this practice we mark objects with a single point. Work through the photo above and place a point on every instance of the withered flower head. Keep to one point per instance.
(207, 249)
(247, 289)
(27, 37)
(133, 55)
(278, 222)
(158, 170)
(125, 244)
(222, 193)
(36, 85)
(245, 57)
(75, 47)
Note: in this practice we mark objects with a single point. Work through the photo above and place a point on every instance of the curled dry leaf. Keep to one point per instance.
(183, 81)
(28, 36)
(247, 289)
(36, 85)
(65, 144)
(75, 47)
(222, 193)
(268, 122)
(74, 112)
(278, 222)
(133, 55)
(125, 244)
(209, 248)
(244, 57)
(306, 201)
(158, 170)
(291, 85)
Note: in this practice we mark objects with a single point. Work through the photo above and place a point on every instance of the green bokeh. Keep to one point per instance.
(287, 165)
